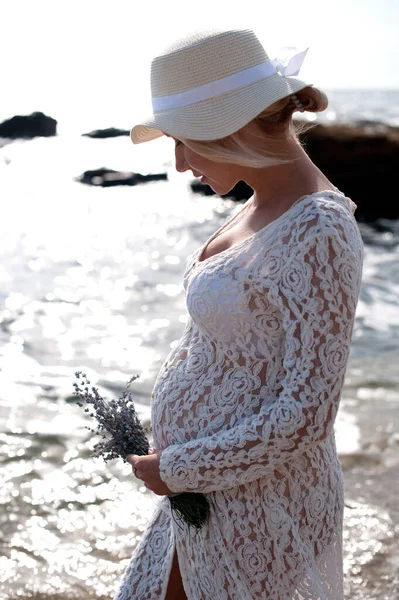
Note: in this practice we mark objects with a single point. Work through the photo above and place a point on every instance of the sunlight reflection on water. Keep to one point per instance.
(92, 278)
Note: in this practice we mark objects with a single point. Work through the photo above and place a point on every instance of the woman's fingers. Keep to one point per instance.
(132, 458)
(146, 468)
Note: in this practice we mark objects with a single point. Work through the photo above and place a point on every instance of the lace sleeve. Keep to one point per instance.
(316, 292)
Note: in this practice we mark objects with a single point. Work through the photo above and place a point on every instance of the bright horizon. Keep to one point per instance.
(85, 57)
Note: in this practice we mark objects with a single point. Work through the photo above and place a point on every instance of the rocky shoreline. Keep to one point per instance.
(360, 159)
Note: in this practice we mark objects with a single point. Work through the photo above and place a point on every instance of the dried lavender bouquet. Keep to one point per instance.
(123, 433)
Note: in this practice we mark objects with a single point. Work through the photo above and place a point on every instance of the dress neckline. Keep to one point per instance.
(202, 248)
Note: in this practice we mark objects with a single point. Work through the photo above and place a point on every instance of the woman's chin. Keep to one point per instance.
(217, 187)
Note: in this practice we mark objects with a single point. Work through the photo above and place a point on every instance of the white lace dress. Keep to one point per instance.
(244, 408)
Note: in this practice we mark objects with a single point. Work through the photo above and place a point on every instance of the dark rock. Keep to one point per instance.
(106, 133)
(108, 178)
(35, 125)
(361, 160)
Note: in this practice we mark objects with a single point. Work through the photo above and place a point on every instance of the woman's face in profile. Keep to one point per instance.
(221, 177)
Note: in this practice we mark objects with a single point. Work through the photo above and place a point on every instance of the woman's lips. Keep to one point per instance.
(199, 175)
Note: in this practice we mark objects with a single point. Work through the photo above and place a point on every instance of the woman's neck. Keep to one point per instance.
(286, 182)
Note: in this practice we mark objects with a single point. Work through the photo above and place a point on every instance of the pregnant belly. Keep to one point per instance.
(182, 413)
(187, 406)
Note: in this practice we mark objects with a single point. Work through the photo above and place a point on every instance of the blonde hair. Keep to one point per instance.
(258, 144)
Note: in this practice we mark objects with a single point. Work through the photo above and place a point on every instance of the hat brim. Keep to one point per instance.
(220, 116)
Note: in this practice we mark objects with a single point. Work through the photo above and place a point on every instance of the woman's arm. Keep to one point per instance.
(316, 292)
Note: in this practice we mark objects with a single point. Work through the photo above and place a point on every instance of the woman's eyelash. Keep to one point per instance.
(178, 142)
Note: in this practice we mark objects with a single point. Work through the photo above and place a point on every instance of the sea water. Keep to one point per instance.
(91, 278)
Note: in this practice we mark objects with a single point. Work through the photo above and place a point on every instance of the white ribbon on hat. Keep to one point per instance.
(287, 64)
(289, 61)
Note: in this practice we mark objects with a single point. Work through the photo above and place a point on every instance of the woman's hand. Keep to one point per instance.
(146, 468)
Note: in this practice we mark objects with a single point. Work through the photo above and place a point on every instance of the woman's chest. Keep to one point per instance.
(243, 228)
(226, 239)
(227, 304)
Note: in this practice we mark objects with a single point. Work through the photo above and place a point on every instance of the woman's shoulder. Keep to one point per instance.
(308, 223)
(320, 213)
(320, 230)
(330, 200)
(327, 201)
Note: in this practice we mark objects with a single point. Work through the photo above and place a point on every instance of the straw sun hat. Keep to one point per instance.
(209, 84)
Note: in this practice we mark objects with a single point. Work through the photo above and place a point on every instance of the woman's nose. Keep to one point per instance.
(180, 160)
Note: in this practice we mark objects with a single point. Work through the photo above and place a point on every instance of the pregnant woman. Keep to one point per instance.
(244, 407)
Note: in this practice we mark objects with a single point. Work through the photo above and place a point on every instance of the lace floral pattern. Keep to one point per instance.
(244, 410)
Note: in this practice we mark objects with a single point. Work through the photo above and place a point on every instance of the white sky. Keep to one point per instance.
(85, 55)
